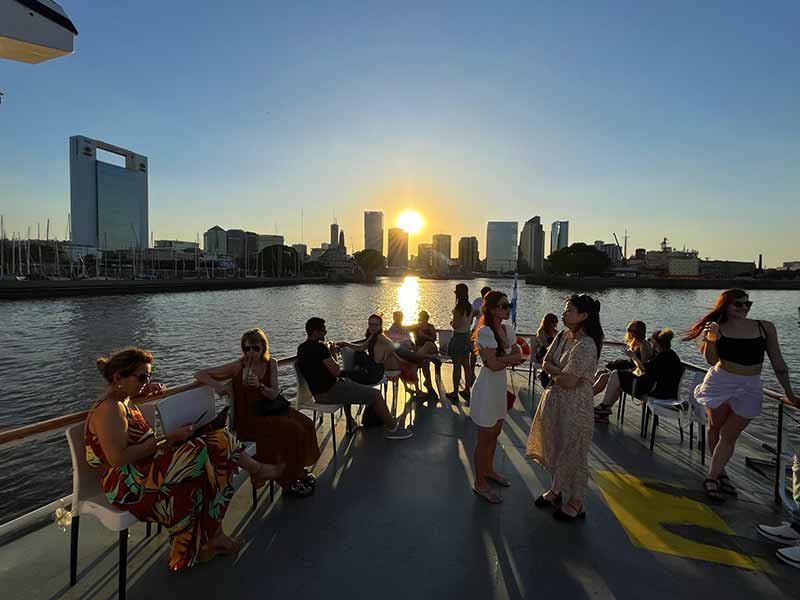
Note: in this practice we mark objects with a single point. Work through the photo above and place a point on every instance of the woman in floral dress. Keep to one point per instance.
(184, 484)
(561, 432)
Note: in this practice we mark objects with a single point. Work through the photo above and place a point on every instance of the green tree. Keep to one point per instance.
(578, 259)
(370, 261)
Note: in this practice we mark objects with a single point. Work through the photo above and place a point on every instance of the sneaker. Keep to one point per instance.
(786, 533)
(790, 555)
(398, 433)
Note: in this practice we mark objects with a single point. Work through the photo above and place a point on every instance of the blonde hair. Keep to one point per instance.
(635, 332)
(257, 335)
(123, 362)
(663, 337)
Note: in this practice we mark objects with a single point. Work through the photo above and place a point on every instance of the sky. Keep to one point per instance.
(666, 119)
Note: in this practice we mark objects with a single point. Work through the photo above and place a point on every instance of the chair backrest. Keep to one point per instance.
(86, 479)
(348, 358)
(304, 396)
(444, 340)
(186, 408)
(697, 408)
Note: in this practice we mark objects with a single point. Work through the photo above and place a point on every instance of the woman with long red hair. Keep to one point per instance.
(734, 345)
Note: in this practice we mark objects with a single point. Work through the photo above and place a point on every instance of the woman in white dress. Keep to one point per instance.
(495, 341)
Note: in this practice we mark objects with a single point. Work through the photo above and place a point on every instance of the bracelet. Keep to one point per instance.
(161, 442)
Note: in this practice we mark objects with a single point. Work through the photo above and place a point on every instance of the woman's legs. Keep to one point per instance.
(716, 419)
(729, 432)
(493, 447)
(487, 439)
(613, 389)
(600, 384)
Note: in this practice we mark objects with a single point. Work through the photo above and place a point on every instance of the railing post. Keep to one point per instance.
(779, 449)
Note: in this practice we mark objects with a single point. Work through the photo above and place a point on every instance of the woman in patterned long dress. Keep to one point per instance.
(184, 484)
(561, 432)
(288, 437)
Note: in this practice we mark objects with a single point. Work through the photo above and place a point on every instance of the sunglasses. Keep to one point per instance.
(253, 348)
(742, 303)
(144, 377)
(503, 305)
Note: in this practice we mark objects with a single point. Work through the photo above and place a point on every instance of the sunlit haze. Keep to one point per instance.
(411, 221)
(675, 119)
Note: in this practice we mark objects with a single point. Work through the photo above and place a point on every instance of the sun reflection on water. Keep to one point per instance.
(408, 299)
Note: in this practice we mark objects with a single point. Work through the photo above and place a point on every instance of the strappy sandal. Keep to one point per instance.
(499, 480)
(542, 502)
(299, 489)
(711, 490)
(726, 487)
(489, 495)
(560, 515)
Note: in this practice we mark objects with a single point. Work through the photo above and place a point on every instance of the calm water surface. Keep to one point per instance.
(49, 346)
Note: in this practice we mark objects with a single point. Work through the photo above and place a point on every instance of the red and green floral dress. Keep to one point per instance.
(186, 488)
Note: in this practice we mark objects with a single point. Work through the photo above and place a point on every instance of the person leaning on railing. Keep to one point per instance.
(734, 345)
(183, 482)
(261, 414)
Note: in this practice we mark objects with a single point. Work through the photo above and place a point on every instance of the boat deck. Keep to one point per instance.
(397, 519)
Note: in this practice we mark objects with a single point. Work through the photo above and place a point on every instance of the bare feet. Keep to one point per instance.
(266, 473)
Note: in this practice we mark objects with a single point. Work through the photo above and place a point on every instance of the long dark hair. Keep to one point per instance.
(584, 303)
(490, 301)
(463, 305)
(380, 320)
(718, 314)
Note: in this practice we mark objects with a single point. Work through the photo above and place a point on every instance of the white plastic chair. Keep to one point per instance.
(88, 498)
(305, 401)
(676, 409)
(697, 414)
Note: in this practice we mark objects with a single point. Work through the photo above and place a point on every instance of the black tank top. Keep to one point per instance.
(743, 351)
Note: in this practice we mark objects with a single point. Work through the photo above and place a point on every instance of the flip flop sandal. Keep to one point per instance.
(711, 489)
(726, 487)
(499, 480)
(300, 489)
(542, 502)
(489, 496)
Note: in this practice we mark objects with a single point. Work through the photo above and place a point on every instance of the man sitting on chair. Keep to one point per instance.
(321, 371)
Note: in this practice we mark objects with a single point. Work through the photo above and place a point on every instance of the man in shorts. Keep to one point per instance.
(321, 371)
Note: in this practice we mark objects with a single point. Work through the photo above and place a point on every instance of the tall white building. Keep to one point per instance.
(531, 245)
(559, 235)
(501, 246)
(373, 230)
(108, 204)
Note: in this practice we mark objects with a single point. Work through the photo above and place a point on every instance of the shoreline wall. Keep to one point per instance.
(600, 283)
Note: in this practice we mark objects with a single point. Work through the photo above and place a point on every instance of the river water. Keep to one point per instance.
(48, 347)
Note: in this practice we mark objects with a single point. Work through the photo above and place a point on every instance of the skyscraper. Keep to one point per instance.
(441, 252)
(398, 247)
(531, 246)
(109, 204)
(559, 235)
(501, 246)
(373, 230)
(424, 257)
(334, 234)
(468, 254)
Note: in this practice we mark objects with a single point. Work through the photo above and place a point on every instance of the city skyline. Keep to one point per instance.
(618, 129)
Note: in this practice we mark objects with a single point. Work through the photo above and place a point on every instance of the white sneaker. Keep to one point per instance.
(785, 533)
(790, 555)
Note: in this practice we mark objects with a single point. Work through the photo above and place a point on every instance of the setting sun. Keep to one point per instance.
(411, 221)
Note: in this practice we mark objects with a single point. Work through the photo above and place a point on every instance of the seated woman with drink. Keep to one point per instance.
(410, 354)
(659, 377)
(635, 340)
(182, 480)
(262, 415)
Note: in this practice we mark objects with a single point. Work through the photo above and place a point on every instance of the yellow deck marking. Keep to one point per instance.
(643, 512)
